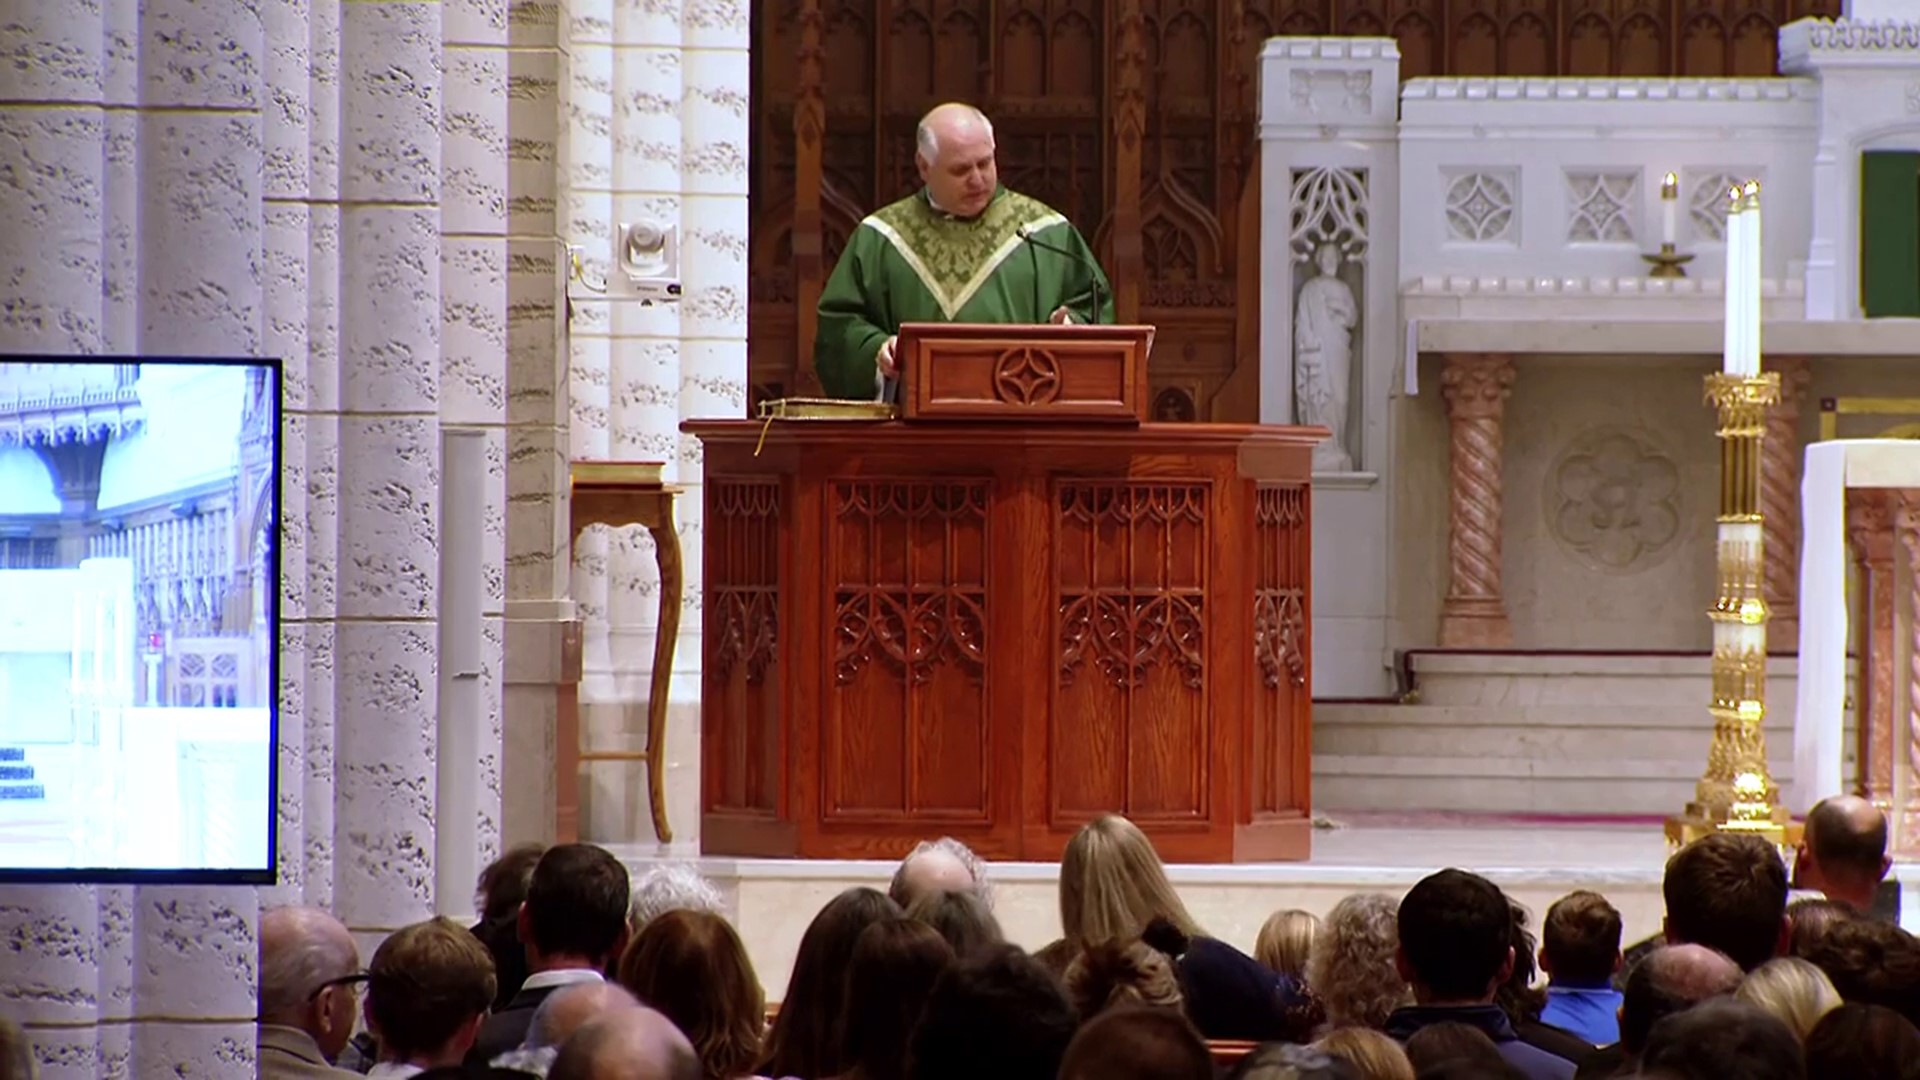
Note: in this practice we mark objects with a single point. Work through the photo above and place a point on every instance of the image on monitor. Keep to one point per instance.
(139, 580)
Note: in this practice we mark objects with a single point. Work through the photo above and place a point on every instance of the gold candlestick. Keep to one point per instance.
(1737, 793)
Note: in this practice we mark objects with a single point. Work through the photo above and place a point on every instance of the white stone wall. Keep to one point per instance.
(657, 129)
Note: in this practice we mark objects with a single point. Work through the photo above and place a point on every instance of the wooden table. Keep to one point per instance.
(620, 494)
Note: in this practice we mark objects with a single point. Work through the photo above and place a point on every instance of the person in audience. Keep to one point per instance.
(1369, 1054)
(1873, 963)
(1668, 980)
(1352, 968)
(1448, 1043)
(1811, 918)
(1285, 940)
(497, 896)
(564, 1012)
(1114, 888)
(805, 1039)
(1135, 1042)
(1456, 948)
(895, 965)
(671, 886)
(1863, 1042)
(1283, 1061)
(943, 865)
(309, 994)
(1793, 990)
(573, 924)
(1722, 1039)
(1728, 891)
(1580, 954)
(1121, 974)
(691, 967)
(628, 1044)
(1843, 853)
(428, 990)
(1523, 1002)
(996, 1014)
(960, 917)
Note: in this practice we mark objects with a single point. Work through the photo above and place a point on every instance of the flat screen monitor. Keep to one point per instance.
(139, 619)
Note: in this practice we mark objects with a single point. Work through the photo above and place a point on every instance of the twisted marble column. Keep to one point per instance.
(1870, 535)
(1475, 388)
(1780, 455)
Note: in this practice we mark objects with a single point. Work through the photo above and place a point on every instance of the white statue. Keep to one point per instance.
(1323, 357)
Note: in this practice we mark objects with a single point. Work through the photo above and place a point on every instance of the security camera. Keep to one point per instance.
(646, 260)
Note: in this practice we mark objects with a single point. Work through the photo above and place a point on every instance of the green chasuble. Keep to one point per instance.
(909, 262)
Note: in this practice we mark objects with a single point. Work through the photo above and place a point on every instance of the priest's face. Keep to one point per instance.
(960, 176)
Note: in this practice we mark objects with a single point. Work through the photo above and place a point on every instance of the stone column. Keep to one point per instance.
(390, 293)
(1780, 456)
(1906, 733)
(1474, 615)
(1870, 535)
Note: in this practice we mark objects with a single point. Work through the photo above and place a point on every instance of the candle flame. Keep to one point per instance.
(1753, 187)
(1670, 186)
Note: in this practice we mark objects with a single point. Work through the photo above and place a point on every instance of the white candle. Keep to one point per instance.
(1754, 277)
(1669, 207)
(1730, 341)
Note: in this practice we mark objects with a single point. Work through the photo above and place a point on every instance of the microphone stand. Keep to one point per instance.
(1093, 279)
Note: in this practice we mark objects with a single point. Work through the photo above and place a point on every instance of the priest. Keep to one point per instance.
(961, 249)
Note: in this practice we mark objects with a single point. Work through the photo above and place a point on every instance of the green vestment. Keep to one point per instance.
(909, 262)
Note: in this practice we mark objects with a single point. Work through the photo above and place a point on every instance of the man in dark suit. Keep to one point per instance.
(573, 925)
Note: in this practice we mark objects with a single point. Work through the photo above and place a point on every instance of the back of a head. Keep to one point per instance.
(1456, 931)
(1437, 1044)
(692, 968)
(301, 949)
(943, 865)
(1728, 891)
(1284, 1061)
(1872, 963)
(1581, 938)
(1286, 940)
(577, 903)
(424, 983)
(1668, 980)
(1119, 974)
(1811, 917)
(894, 968)
(672, 886)
(1847, 837)
(1112, 884)
(1792, 989)
(960, 917)
(571, 1008)
(1370, 1054)
(1724, 1038)
(16, 1053)
(805, 1038)
(1137, 1043)
(1351, 967)
(998, 1014)
(1863, 1042)
(502, 886)
(631, 1044)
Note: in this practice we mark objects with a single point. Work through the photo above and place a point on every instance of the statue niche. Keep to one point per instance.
(1328, 241)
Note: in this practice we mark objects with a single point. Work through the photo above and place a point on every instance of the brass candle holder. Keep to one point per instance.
(1737, 792)
(1667, 263)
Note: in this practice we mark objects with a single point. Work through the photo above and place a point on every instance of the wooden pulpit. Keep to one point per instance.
(998, 625)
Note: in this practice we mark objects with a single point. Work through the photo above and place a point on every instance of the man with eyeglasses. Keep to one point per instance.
(309, 990)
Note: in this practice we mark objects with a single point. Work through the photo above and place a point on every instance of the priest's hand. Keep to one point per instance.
(884, 358)
(1061, 316)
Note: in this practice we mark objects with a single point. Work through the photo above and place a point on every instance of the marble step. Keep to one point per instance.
(1470, 785)
(1560, 733)
(1497, 679)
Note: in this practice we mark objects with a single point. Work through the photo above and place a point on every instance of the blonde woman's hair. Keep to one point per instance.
(1119, 973)
(1793, 990)
(1351, 965)
(1372, 1055)
(1285, 941)
(1112, 885)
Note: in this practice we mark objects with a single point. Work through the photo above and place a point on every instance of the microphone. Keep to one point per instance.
(1026, 233)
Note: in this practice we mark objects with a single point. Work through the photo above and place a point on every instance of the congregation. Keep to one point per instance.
(576, 971)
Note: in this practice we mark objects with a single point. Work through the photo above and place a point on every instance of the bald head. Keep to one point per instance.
(627, 1044)
(931, 870)
(1670, 980)
(954, 152)
(301, 949)
(573, 1007)
(1844, 852)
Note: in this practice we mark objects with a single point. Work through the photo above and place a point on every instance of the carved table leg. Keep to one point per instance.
(1870, 533)
(666, 549)
(1474, 615)
(1780, 454)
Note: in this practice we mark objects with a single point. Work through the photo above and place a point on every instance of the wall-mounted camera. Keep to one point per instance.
(646, 266)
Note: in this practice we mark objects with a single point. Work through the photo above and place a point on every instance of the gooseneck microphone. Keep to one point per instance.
(1093, 279)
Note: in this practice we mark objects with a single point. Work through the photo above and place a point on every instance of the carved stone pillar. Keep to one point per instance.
(1474, 615)
(1870, 535)
(1906, 733)
(1780, 455)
